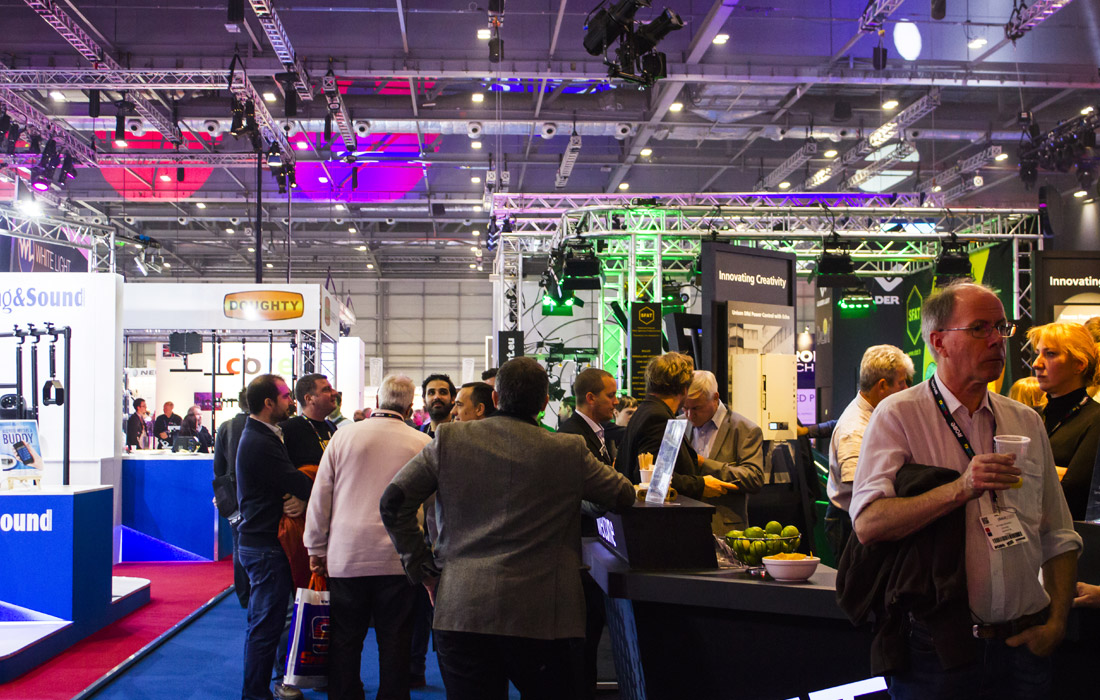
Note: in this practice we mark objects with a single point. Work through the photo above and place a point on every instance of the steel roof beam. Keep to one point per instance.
(276, 34)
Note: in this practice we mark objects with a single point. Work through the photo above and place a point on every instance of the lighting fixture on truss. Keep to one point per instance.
(953, 261)
(1025, 18)
(568, 160)
(835, 268)
(856, 298)
(637, 61)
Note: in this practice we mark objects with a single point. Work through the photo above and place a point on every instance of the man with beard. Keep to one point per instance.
(307, 434)
(265, 476)
(439, 398)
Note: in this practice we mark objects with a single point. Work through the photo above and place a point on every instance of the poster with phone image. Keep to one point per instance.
(19, 446)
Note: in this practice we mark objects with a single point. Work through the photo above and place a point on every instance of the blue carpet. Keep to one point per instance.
(204, 662)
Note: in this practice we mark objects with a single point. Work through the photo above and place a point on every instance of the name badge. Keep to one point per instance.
(1003, 530)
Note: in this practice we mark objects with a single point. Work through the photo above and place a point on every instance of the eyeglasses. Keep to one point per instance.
(982, 329)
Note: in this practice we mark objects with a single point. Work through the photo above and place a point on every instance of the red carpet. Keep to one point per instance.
(178, 589)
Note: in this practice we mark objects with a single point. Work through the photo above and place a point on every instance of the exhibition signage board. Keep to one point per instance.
(231, 307)
(645, 342)
(509, 346)
(26, 255)
(1067, 286)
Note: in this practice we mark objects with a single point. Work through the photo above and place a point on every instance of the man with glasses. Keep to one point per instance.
(963, 609)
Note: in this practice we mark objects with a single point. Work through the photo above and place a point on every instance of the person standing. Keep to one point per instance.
(227, 440)
(884, 370)
(192, 427)
(307, 434)
(136, 429)
(988, 541)
(667, 378)
(729, 448)
(474, 402)
(348, 543)
(509, 604)
(265, 475)
(439, 395)
(167, 425)
(337, 418)
(1066, 367)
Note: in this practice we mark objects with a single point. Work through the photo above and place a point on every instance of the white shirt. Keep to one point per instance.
(702, 438)
(907, 428)
(274, 428)
(844, 450)
(596, 428)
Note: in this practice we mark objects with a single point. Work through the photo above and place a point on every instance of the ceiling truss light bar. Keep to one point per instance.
(277, 35)
(146, 79)
(568, 160)
(1032, 16)
(339, 111)
(90, 50)
(269, 128)
(874, 16)
(963, 167)
(796, 161)
(900, 152)
(24, 112)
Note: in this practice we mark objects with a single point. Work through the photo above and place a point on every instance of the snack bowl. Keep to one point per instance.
(791, 569)
(751, 551)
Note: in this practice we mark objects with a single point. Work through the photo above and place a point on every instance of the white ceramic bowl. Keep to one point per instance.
(791, 569)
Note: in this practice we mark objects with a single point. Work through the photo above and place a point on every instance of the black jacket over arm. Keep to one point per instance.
(1075, 444)
(644, 434)
(225, 454)
(264, 475)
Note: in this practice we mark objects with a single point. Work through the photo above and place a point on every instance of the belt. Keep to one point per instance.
(1004, 630)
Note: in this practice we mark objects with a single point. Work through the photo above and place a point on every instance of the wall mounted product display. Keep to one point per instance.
(763, 389)
(56, 548)
(90, 306)
(20, 455)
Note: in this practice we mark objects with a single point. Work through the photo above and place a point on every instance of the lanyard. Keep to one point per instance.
(320, 440)
(960, 436)
(1073, 412)
(387, 415)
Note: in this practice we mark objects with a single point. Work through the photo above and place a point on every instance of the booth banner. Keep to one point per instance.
(509, 346)
(645, 342)
(19, 446)
(1067, 286)
(231, 307)
(38, 256)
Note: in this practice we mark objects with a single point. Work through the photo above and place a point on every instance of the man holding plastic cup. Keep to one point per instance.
(928, 458)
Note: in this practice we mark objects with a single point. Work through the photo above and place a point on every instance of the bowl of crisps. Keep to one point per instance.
(792, 566)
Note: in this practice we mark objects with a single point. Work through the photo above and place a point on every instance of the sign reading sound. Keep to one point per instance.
(264, 305)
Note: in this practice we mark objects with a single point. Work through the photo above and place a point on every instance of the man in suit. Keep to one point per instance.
(509, 603)
(225, 466)
(595, 393)
(474, 402)
(667, 379)
(729, 446)
(265, 477)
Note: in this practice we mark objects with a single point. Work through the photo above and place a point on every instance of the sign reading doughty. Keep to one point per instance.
(265, 305)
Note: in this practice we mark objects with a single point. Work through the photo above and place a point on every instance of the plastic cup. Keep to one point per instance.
(1012, 444)
(646, 475)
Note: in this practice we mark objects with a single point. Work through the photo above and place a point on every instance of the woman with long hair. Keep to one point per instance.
(1066, 366)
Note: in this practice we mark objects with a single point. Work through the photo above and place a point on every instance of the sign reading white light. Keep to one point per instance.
(721, 38)
(907, 40)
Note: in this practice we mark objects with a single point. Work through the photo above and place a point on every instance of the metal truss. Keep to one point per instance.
(308, 351)
(875, 14)
(23, 111)
(168, 159)
(339, 111)
(796, 161)
(121, 79)
(97, 241)
(1022, 287)
(276, 34)
(508, 268)
(269, 128)
(902, 151)
(71, 32)
(963, 167)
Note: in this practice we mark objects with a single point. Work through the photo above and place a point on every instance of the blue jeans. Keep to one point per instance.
(272, 585)
(1000, 673)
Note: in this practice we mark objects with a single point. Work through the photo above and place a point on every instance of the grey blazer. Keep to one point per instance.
(737, 455)
(508, 497)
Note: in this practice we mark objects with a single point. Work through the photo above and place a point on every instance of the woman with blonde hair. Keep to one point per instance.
(1066, 366)
(1027, 392)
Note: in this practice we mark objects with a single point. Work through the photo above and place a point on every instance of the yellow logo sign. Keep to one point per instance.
(646, 315)
(264, 305)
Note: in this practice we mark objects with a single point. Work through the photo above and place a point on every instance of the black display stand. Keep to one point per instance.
(671, 536)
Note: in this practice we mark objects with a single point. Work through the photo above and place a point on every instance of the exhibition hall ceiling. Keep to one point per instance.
(759, 96)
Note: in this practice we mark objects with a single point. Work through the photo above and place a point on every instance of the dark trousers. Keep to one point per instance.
(479, 666)
(423, 613)
(272, 585)
(838, 528)
(594, 621)
(240, 577)
(353, 602)
(1000, 673)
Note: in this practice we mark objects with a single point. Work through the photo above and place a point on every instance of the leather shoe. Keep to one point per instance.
(287, 692)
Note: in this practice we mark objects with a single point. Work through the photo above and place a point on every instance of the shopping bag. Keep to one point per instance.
(307, 654)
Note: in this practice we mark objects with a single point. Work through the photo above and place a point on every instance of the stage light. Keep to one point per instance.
(676, 107)
(650, 34)
(609, 24)
(475, 233)
(269, 97)
(977, 43)
(370, 266)
(478, 97)
(236, 127)
(1001, 157)
(40, 181)
(475, 144)
(1087, 111)
(35, 144)
(831, 153)
(230, 230)
(835, 269)
(200, 205)
(855, 298)
(890, 105)
(720, 39)
(301, 145)
(165, 178)
(1080, 193)
(953, 262)
(484, 34)
(646, 152)
(475, 180)
(323, 180)
(624, 186)
(269, 265)
(784, 185)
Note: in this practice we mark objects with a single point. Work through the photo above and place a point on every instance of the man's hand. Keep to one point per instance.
(715, 487)
(1041, 640)
(293, 506)
(990, 472)
(1088, 596)
(802, 431)
(317, 565)
(430, 583)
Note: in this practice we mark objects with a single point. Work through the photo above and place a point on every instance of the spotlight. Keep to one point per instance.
(650, 34)
(953, 262)
(93, 104)
(237, 125)
(836, 270)
(35, 144)
(124, 107)
(39, 180)
(855, 297)
(609, 25)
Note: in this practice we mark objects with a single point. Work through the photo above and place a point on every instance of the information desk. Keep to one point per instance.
(55, 544)
(719, 634)
(169, 498)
